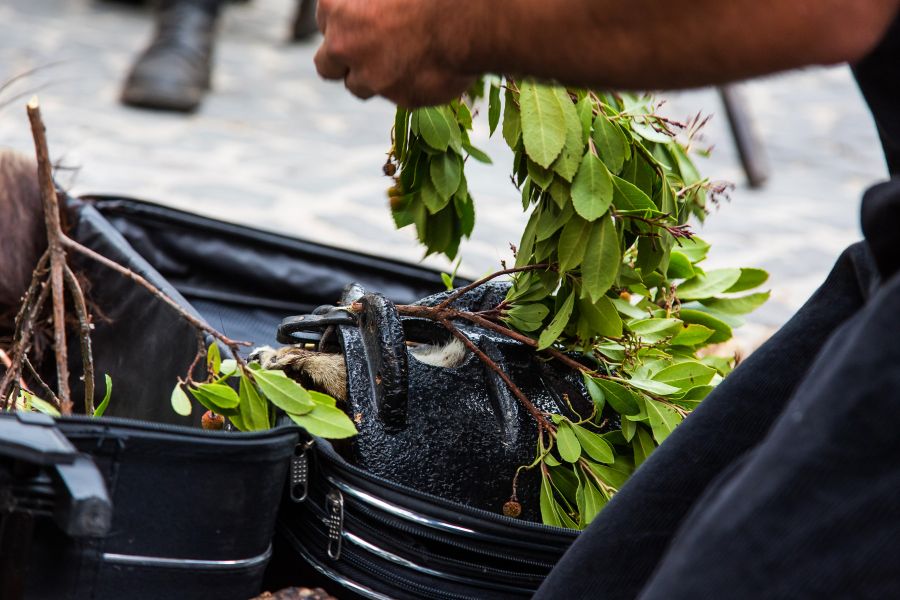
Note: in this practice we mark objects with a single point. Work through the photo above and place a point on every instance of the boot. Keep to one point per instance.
(174, 72)
(304, 25)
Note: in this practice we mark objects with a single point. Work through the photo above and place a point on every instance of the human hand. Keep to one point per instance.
(391, 48)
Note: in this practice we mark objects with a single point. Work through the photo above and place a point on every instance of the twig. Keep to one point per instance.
(542, 422)
(84, 323)
(233, 345)
(24, 331)
(463, 290)
(7, 363)
(46, 392)
(57, 254)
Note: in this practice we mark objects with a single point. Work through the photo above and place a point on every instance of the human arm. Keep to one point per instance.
(426, 51)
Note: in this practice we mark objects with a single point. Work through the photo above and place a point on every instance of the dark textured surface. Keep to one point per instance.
(465, 433)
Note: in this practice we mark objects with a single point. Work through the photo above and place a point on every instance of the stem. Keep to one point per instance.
(46, 392)
(57, 253)
(538, 416)
(463, 290)
(233, 345)
(84, 324)
(22, 342)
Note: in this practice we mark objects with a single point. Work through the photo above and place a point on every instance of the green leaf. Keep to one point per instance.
(569, 159)
(526, 246)
(104, 404)
(592, 190)
(620, 398)
(654, 330)
(601, 316)
(512, 121)
(626, 196)
(216, 397)
(643, 446)
(401, 127)
(465, 210)
(611, 143)
(284, 392)
(549, 515)
(686, 375)
(737, 306)
(213, 358)
(494, 107)
(435, 127)
(629, 428)
(695, 249)
(181, 404)
(539, 176)
(708, 284)
(595, 446)
(552, 219)
(594, 501)
(654, 387)
(567, 443)
(692, 335)
(446, 173)
(646, 131)
(228, 367)
(680, 266)
(529, 312)
(448, 281)
(602, 258)
(479, 155)
(322, 399)
(585, 110)
(38, 404)
(573, 243)
(558, 324)
(596, 393)
(749, 279)
(432, 200)
(326, 421)
(722, 332)
(543, 122)
(616, 474)
(254, 408)
(663, 420)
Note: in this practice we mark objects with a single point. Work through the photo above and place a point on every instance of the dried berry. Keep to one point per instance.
(390, 169)
(212, 421)
(512, 509)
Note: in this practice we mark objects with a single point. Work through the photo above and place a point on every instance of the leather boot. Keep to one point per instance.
(174, 72)
(304, 25)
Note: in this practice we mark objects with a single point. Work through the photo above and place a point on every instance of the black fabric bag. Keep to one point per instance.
(202, 504)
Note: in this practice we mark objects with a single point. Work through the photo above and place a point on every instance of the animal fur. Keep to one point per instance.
(23, 237)
(327, 373)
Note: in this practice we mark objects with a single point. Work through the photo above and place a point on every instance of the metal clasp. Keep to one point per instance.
(299, 482)
(334, 507)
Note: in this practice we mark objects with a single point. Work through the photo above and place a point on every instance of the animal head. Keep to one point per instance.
(23, 237)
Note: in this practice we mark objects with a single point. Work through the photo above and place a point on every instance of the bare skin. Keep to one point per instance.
(420, 52)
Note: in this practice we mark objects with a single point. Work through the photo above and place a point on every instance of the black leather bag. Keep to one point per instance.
(355, 528)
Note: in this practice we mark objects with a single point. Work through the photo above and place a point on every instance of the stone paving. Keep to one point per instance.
(275, 147)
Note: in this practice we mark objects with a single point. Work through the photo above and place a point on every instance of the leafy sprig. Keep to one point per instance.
(606, 268)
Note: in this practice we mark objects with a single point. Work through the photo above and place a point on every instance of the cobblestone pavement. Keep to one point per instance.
(277, 148)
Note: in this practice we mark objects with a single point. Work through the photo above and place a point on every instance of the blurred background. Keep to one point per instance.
(275, 147)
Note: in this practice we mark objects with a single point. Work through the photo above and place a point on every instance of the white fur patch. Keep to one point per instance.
(451, 354)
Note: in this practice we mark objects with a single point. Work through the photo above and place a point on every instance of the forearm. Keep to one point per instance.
(653, 44)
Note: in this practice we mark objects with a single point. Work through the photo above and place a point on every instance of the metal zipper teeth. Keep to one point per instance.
(418, 532)
(335, 461)
(425, 533)
(372, 570)
(359, 525)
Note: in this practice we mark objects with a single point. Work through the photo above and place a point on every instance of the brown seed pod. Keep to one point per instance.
(512, 509)
(390, 169)
(212, 421)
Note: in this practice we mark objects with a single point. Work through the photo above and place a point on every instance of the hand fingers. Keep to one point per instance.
(357, 86)
(328, 66)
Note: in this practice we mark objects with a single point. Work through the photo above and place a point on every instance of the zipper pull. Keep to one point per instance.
(334, 508)
(299, 484)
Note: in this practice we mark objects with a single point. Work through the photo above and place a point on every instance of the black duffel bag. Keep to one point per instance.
(370, 537)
